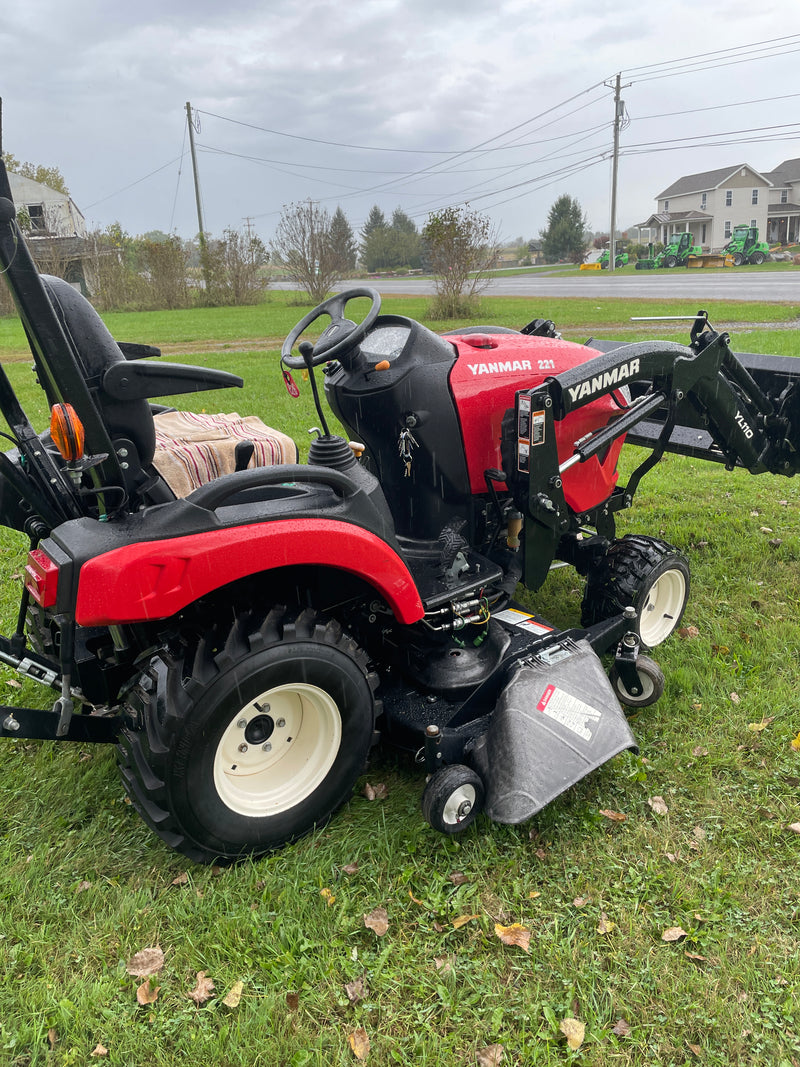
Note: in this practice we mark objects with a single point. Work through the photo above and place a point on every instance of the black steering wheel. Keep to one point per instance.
(341, 336)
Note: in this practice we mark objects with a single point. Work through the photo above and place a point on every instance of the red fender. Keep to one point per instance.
(157, 579)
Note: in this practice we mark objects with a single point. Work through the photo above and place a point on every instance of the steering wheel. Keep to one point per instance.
(341, 336)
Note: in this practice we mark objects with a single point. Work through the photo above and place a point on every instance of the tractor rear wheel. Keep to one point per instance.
(251, 737)
(644, 573)
(757, 258)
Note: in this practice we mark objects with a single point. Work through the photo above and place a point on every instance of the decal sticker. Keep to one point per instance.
(523, 620)
(537, 428)
(569, 711)
(604, 382)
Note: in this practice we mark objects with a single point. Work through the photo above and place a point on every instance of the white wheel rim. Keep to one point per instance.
(458, 805)
(662, 607)
(267, 776)
(647, 684)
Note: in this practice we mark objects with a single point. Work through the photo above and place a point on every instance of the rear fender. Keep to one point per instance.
(156, 579)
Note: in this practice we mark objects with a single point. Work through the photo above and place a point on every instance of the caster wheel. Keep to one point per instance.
(651, 679)
(452, 799)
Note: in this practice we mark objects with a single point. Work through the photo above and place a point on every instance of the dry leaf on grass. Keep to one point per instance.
(695, 956)
(794, 827)
(614, 816)
(621, 1028)
(52, 1037)
(375, 792)
(147, 961)
(699, 750)
(355, 990)
(328, 896)
(182, 879)
(605, 926)
(516, 934)
(359, 1043)
(580, 902)
(462, 920)
(795, 743)
(574, 1031)
(757, 727)
(458, 878)
(99, 1050)
(350, 868)
(673, 933)
(688, 632)
(292, 1001)
(377, 921)
(83, 886)
(147, 994)
(694, 1048)
(658, 805)
(491, 1056)
(203, 990)
(234, 996)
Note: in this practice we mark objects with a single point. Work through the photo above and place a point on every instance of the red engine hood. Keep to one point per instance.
(490, 368)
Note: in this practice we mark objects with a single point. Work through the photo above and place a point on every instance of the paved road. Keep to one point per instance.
(696, 287)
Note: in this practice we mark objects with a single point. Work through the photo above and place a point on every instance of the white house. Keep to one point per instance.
(52, 214)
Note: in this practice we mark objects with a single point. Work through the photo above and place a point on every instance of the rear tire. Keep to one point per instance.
(251, 738)
(646, 574)
(757, 258)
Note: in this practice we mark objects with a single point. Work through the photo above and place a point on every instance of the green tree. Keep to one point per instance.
(343, 241)
(50, 176)
(232, 268)
(566, 235)
(461, 247)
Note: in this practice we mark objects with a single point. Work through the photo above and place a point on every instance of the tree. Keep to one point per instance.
(343, 241)
(302, 245)
(461, 246)
(232, 268)
(165, 259)
(50, 176)
(566, 234)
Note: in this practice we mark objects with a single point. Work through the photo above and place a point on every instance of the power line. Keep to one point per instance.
(138, 181)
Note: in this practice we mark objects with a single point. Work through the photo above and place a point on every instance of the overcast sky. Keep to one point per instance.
(427, 102)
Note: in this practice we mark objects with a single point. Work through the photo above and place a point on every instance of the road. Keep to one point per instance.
(696, 286)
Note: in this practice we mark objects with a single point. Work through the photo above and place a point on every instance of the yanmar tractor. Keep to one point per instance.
(247, 643)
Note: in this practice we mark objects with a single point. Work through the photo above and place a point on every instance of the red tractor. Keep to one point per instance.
(247, 643)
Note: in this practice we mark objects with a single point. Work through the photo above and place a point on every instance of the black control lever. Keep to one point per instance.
(306, 350)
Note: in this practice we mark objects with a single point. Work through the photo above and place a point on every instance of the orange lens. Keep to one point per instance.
(66, 429)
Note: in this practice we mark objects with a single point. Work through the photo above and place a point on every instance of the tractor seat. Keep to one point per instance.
(187, 450)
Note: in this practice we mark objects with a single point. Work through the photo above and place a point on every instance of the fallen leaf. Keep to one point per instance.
(83, 886)
(795, 827)
(13, 683)
(355, 990)
(147, 994)
(203, 989)
(673, 933)
(580, 902)
(491, 1056)
(699, 750)
(375, 792)
(462, 920)
(574, 1031)
(327, 896)
(458, 878)
(699, 833)
(443, 964)
(735, 698)
(696, 956)
(688, 632)
(148, 961)
(621, 1028)
(605, 926)
(614, 816)
(182, 878)
(52, 1037)
(350, 868)
(695, 1048)
(533, 894)
(99, 1050)
(658, 805)
(697, 706)
(377, 921)
(292, 1001)
(416, 900)
(757, 727)
(359, 1043)
(516, 934)
(234, 996)
(795, 743)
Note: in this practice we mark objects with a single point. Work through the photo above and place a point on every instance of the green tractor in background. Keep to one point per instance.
(678, 251)
(620, 259)
(745, 246)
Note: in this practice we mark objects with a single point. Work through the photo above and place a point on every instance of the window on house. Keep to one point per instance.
(728, 197)
(784, 196)
(754, 198)
(703, 234)
(666, 205)
(703, 201)
(754, 223)
(36, 215)
(727, 229)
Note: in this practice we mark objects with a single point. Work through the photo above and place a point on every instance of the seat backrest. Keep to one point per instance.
(95, 350)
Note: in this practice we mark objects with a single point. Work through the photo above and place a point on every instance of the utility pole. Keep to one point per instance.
(200, 225)
(614, 168)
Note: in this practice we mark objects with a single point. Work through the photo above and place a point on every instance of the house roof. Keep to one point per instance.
(661, 218)
(786, 172)
(783, 209)
(707, 180)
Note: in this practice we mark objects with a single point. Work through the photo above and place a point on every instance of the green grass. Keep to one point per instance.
(84, 884)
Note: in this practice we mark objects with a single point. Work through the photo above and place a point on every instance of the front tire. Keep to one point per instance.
(644, 573)
(250, 738)
(452, 799)
(671, 261)
(757, 258)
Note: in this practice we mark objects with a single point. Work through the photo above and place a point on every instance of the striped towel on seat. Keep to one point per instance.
(193, 449)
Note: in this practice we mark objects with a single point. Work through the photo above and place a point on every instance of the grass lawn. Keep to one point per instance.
(660, 895)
